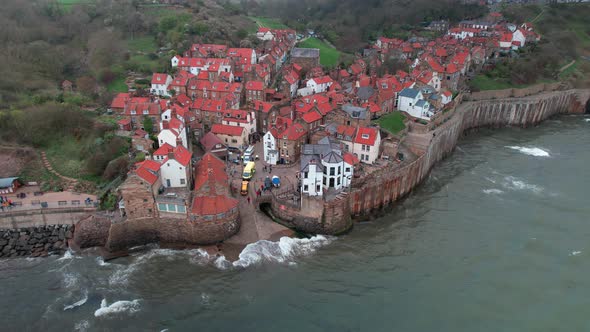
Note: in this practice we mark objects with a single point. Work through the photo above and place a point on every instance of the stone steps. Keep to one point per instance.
(71, 182)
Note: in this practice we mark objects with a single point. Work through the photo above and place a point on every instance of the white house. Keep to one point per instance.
(271, 154)
(366, 144)
(173, 132)
(412, 102)
(175, 166)
(325, 167)
(264, 34)
(319, 84)
(160, 83)
(518, 39)
(240, 118)
(446, 97)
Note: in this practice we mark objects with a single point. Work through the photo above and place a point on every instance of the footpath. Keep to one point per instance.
(70, 181)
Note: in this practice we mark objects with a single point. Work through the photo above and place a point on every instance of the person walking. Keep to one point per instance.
(248, 199)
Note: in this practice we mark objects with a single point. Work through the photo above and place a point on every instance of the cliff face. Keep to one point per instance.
(390, 183)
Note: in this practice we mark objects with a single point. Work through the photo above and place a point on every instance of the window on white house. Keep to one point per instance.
(305, 188)
(368, 148)
(182, 181)
(332, 170)
(347, 169)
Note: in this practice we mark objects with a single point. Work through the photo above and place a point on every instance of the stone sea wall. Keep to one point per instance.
(35, 241)
(382, 187)
(136, 232)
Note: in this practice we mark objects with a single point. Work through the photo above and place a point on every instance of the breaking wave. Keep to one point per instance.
(536, 152)
(575, 253)
(587, 120)
(129, 307)
(282, 251)
(101, 261)
(493, 191)
(77, 303)
(69, 254)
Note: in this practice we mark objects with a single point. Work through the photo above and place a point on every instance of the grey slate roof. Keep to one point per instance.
(305, 52)
(409, 93)
(354, 111)
(7, 182)
(364, 93)
(332, 158)
(421, 103)
(327, 149)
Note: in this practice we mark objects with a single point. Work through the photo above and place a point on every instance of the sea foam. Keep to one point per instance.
(536, 152)
(513, 183)
(77, 303)
(118, 307)
(82, 326)
(493, 191)
(282, 251)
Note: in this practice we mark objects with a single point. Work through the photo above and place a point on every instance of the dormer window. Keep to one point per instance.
(146, 112)
(365, 136)
(133, 112)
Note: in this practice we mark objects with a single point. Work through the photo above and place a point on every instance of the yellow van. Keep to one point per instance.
(244, 190)
(249, 171)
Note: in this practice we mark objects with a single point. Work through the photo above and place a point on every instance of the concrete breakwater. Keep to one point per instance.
(35, 241)
(371, 193)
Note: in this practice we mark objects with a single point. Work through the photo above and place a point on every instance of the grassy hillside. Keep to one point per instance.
(349, 24)
(329, 56)
(565, 31)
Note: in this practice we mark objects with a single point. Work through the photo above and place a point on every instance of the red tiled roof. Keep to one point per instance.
(182, 155)
(209, 141)
(213, 205)
(311, 117)
(346, 131)
(148, 171)
(372, 135)
(158, 78)
(350, 159)
(221, 129)
(255, 85)
(294, 132)
(210, 169)
(163, 150)
(120, 100)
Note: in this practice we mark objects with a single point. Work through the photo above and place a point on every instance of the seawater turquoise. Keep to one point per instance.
(496, 239)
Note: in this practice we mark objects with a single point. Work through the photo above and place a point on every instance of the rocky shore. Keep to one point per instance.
(35, 241)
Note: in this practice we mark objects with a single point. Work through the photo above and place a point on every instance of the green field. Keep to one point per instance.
(142, 44)
(392, 122)
(118, 85)
(269, 23)
(329, 56)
